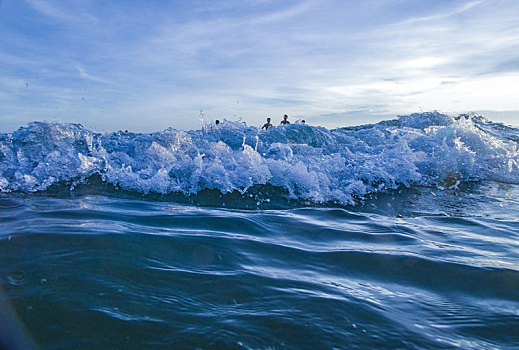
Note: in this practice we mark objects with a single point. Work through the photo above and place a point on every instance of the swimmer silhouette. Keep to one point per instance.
(267, 124)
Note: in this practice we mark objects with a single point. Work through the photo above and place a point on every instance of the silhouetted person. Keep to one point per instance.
(285, 120)
(303, 121)
(217, 122)
(267, 124)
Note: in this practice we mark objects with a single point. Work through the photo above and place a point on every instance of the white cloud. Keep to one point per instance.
(84, 75)
(443, 15)
(59, 12)
(284, 14)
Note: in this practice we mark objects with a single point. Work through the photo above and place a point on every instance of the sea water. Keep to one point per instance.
(397, 235)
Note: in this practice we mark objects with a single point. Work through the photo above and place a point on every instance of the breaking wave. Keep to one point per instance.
(303, 162)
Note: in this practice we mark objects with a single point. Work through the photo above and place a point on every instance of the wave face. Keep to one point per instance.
(307, 163)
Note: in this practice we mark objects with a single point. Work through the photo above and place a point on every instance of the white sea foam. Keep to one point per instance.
(308, 163)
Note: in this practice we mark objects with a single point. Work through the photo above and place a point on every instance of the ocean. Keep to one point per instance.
(398, 235)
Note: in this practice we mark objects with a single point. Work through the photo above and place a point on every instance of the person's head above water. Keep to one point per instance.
(267, 124)
(217, 122)
(285, 117)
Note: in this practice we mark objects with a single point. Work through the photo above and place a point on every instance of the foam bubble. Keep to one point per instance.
(308, 163)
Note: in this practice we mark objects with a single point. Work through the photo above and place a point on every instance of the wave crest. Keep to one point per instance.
(308, 163)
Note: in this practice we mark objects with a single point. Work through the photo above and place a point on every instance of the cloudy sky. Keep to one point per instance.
(147, 65)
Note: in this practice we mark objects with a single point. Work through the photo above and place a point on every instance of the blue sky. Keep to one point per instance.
(147, 65)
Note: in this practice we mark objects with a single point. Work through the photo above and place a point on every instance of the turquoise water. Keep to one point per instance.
(122, 241)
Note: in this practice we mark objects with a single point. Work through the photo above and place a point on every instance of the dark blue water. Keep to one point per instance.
(399, 235)
(410, 270)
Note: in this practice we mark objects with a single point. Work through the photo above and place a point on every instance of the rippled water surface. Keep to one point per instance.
(420, 269)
